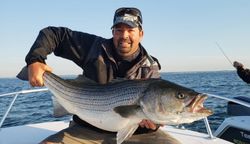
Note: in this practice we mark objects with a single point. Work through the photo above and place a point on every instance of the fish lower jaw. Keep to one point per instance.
(205, 112)
(200, 111)
(183, 121)
(182, 118)
(168, 120)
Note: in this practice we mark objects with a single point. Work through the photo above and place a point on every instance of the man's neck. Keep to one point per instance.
(130, 57)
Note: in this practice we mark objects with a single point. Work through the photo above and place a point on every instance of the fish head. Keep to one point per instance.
(165, 102)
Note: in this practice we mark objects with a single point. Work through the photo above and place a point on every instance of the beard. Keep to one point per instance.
(124, 46)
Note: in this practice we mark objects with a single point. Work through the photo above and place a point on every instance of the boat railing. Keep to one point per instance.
(208, 128)
(240, 102)
(16, 94)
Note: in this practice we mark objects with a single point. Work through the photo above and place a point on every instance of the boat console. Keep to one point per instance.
(236, 128)
(234, 109)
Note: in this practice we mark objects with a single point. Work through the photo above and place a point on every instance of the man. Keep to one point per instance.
(243, 73)
(101, 60)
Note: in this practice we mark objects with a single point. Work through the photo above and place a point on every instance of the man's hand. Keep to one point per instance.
(35, 72)
(237, 64)
(148, 124)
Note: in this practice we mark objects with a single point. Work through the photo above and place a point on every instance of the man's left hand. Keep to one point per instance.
(148, 124)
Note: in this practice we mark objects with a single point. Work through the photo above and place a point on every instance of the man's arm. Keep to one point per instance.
(153, 72)
(244, 74)
(63, 42)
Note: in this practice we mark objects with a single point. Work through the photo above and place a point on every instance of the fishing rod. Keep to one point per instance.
(224, 53)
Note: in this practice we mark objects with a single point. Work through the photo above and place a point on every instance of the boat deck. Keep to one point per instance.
(34, 133)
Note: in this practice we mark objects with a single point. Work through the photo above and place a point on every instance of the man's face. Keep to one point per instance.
(126, 39)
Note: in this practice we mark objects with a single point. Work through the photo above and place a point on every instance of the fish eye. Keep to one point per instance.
(180, 96)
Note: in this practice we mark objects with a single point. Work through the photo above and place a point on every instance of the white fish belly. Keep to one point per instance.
(109, 120)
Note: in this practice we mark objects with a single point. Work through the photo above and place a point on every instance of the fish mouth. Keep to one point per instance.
(196, 105)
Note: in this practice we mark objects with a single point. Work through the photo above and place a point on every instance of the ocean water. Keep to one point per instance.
(37, 107)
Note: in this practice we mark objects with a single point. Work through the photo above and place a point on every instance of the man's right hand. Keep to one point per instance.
(35, 73)
(237, 64)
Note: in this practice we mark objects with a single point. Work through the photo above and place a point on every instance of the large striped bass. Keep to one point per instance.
(121, 105)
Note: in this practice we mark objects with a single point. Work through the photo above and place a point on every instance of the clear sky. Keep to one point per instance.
(180, 33)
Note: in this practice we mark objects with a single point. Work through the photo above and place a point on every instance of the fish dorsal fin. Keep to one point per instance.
(125, 133)
(59, 110)
(81, 80)
(118, 79)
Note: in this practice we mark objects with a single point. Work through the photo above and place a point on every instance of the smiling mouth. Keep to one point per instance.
(123, 44)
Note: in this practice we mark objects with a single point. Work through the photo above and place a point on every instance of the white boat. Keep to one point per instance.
(234, 129)
(34, 133)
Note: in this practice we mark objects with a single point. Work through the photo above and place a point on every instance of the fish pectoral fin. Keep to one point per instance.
(127, 110)
(125, 133)
(59, 110)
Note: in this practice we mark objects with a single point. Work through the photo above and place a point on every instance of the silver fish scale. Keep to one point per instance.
(96, 97)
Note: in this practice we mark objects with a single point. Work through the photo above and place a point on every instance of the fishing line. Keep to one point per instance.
(224, 53)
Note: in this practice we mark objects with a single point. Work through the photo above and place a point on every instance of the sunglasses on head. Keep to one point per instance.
(132, 11)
